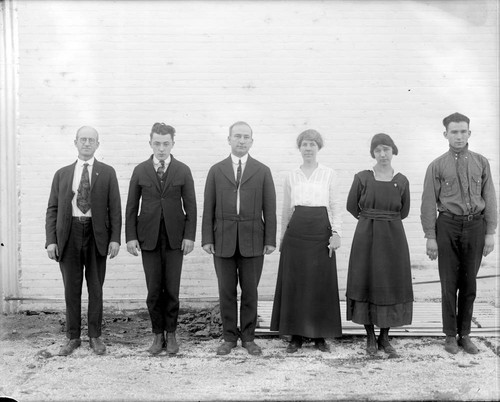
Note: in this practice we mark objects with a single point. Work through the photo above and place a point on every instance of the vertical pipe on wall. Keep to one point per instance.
(9, 191)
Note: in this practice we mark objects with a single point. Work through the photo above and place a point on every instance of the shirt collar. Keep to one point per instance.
(463, 151)
(90, 162)
(236, 159)
(157, 161)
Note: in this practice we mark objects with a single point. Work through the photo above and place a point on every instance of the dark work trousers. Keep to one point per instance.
(162, 267)
(460, 248)
(80, 252)
(248, 270)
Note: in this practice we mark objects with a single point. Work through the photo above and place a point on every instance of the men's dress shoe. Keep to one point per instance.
(450, 345)
(294, 345)
(172, 346)
(321, 345)
(158, 344)
(383, 344)
(225, 348)
(97, 345)
(70, 347)
(371, 346)
(466, 343)
(252, 348)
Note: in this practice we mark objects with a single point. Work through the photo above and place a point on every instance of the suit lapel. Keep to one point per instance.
(250, 169)
(96, 170)
(151, 172)
(171, 171)
(227, 169)
(70, 177)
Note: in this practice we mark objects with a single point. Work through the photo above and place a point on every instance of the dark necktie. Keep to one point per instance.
(161, 170)
(83, 196)
(238, 174)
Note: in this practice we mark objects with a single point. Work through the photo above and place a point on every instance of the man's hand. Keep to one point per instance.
(268, 249)
(113, 249)
(209, 248)
(489, 244)
(53, 252)
(432, 248)
(187, 246)
(133, 247)
(334, 244)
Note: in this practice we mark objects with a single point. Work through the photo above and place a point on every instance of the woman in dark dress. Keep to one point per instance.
(379, 289)
(306, 301)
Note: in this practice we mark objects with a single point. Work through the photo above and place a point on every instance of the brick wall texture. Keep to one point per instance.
(348, 69)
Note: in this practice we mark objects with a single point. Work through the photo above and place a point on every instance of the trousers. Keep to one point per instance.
(246, 270)
(460, 248)
(82, 258)
(162, 268)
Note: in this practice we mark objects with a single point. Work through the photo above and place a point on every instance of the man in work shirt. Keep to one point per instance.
(460, 185)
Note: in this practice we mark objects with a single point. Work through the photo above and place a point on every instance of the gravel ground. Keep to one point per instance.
(30, 369)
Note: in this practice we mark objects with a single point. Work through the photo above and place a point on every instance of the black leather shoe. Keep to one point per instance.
(371, 345)
(450, 345)
(295, 344)
(97, 345)
(158, 344)
(383, 344)
(466, 343)
(225, 348)
(321, 345)
(70, 347)
(252, 348)
(172, 346)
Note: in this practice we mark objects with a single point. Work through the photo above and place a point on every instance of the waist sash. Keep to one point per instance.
(380, 214)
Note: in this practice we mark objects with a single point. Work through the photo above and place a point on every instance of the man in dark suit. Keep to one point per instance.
(239, 228)
(83, 226)
(163, 231)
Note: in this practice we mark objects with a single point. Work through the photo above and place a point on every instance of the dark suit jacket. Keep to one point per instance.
(255, 226)
(105, 206)
(176, 199)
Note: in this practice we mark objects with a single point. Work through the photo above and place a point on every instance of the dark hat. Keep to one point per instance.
(382, 139)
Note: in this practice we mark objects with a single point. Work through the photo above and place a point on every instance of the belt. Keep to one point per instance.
(462, 217)
(82, 218)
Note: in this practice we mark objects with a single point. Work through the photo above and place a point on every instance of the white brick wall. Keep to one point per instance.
(349, 69)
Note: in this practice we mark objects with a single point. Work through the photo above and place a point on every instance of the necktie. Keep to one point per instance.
(238, 174)
(161, 170)
(464, 180)
(83, 197)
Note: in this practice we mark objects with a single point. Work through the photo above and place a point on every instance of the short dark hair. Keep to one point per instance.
(240, 123)
(382, 139)
(455, 118)
(162, 129)
(310, 135)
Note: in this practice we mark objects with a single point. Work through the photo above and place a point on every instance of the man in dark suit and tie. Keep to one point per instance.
(163, 231)
(239, 228)
(83, 225)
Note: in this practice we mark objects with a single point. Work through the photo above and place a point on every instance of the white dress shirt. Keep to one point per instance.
(76, 183)
(319, 190)
(236, 160)
(157, 163)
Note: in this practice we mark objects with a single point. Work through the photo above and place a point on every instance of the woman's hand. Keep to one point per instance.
(334, 243)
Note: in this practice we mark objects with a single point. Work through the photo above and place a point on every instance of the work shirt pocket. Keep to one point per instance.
(449, 187)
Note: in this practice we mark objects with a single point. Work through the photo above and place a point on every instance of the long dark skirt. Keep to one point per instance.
(306, 301)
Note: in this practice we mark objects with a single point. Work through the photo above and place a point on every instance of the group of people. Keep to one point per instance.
(458, 214)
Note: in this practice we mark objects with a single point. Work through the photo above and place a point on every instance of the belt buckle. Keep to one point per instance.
(470, 217)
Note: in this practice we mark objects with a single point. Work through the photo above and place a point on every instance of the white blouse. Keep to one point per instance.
(320, 190)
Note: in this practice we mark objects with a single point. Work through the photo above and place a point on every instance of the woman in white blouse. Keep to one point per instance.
(306, 301)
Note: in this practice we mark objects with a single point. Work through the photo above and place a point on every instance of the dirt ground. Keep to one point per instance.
(30, 369)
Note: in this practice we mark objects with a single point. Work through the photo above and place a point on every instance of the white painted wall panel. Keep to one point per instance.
(349, 69)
